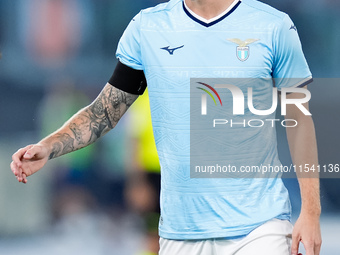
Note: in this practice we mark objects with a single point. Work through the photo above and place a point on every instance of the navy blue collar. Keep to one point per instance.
(213, 22)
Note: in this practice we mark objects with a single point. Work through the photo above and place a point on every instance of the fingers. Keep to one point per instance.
(19, 174)
(31, 152)
(318, 247)
(16, 164)
(17, 161)
(17, 171)
(313, 247)
(14, 168)
(16, 157)
(28, 160)
(309, 247)
(24, 180)
(295, 244)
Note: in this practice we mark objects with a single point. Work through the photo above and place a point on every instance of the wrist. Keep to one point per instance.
(313, 212)
(47, 147)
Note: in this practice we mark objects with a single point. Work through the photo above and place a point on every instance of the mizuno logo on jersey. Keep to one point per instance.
(242, 50)
(293, 27)
(171, 51)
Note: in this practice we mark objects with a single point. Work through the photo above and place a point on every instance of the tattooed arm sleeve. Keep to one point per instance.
(90, 123)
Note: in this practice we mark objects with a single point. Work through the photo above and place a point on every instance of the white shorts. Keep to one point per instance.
(272, 238)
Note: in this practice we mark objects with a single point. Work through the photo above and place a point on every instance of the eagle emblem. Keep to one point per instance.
(242, 49)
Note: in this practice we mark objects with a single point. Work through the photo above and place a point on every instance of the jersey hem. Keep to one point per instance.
(224, 233)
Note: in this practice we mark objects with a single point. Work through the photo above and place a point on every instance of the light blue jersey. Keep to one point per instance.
(171, 44)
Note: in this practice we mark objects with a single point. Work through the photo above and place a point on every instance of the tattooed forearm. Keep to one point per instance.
(105, 112)
(56, 148)
(77, 133)
(64, 144)
(92, 122)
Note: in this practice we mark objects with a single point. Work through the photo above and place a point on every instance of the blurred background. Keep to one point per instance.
(56, 55)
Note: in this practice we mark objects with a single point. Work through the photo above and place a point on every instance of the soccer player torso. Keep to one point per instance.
(172, 45)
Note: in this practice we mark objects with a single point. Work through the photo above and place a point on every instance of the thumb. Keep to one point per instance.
(32, 152)
(295, 244)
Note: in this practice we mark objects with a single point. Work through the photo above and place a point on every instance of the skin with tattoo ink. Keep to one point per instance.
(84, 128)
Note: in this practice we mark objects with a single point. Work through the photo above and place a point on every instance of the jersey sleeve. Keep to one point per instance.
(290, 68)
(128, 50)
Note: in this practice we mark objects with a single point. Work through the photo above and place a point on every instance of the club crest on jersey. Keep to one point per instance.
(242, 49)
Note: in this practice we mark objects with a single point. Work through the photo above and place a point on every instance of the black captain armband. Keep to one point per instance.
(128, 79)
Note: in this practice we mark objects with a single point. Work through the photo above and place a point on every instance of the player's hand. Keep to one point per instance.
(307, 231)
(29, 160)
